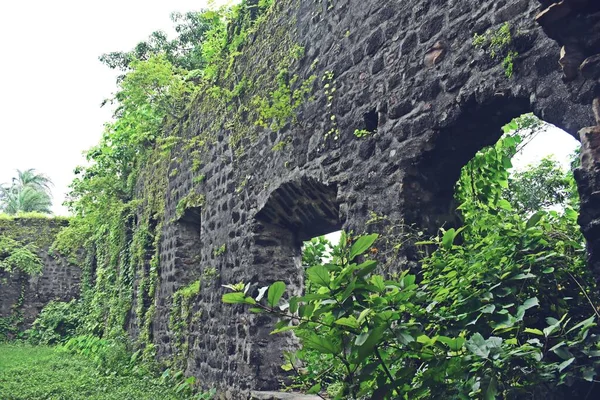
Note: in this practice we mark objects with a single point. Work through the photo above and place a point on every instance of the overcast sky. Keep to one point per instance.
(53, 84)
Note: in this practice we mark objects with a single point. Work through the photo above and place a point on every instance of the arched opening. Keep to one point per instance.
(295, 212)
(511, 261)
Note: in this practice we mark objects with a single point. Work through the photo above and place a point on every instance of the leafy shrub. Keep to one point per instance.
(505, 308)
(109, 355)
(15, 256)
(57, 322)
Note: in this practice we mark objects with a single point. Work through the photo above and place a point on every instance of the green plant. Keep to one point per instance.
(15, 256)
(41, 372)
(330, 89)
(282, 144)
(192, 200)
(28, 192)
(361, 133)
(56, 323)
(220, 250)
(497, 43)
(198, 179)
(505, 306)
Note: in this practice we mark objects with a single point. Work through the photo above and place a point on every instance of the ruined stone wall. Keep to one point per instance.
(59, 280)
(407, 72)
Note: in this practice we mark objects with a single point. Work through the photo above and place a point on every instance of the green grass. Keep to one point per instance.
(45, 373)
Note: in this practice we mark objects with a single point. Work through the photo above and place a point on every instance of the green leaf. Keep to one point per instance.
(454, 344)
(348, 321)
(504, 204)
(534, 219)
(361, 339)
(488, 309)
(492, 390)
(322, 345)
(314, 389)
(276, 290)
(283, 329)
(585, 324)
(534, 331)
(523, 276)
(448, 238)
(367, 348)
(529, 303)
(589, 374)
(478, 346)
(318, 275)
(565, 364)
(363, 315)
(234, 298)
(361, 245)
(366, 268)
(571, 214)
(378, 282)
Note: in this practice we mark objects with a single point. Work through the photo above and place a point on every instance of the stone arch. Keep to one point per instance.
(429, 182)
(296, 210)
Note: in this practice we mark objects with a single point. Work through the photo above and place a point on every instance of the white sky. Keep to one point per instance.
(52, 83)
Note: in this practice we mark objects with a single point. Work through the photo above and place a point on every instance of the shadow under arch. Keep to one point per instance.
(430, 180)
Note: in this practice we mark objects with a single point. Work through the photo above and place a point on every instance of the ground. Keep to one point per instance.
(46, 373)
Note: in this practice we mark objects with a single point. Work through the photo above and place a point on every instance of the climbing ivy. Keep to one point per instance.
(18, 257)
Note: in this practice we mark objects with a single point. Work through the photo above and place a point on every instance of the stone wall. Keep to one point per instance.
(27, 295)
(409, 73)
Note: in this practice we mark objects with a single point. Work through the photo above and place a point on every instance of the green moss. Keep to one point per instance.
(192, 200)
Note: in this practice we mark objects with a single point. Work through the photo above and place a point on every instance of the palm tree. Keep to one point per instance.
(28, 192)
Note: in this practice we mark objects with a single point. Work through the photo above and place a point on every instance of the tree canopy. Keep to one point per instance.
(29, 191)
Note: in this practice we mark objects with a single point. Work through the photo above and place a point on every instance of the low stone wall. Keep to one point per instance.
(24, 295)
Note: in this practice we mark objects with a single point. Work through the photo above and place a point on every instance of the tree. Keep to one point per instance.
(541, 186)
(184, 51)
(28, 192)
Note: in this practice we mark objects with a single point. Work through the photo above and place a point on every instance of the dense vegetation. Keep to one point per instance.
(504, 306)
(116, 229)
(40, 372)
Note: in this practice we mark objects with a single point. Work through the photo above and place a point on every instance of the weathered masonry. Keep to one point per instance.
(251, 175)
(408, 72)
(22, 296)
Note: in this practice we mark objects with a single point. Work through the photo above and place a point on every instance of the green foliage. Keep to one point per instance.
(40, 372)
(505, 307)
(360, 133)
(542, 186)
(184, 51)
(192, 200)
(28, 192)
(275, 110)
(56, 323)
(497, 44)
(220, 250)
(15, 256)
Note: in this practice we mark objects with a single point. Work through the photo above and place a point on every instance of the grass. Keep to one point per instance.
(46, 373)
